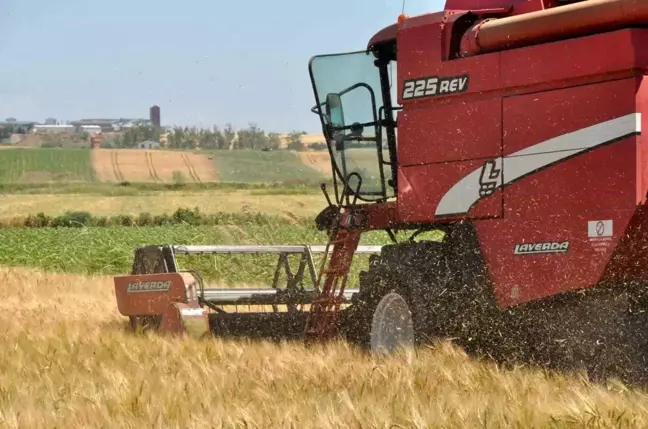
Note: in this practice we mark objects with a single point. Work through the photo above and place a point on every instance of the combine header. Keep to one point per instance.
(160, 295)
(519, 146)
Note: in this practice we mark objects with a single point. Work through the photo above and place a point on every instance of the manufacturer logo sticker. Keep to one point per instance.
(490, 178)
(148, 286)
(544, 247)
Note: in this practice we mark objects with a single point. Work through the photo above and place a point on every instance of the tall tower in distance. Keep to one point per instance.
(155, 116)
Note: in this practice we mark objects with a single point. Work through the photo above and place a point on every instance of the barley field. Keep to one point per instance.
(152, 166)
(160, 202)
(68, 362)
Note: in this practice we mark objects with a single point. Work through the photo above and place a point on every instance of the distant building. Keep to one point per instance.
(149, 144)
(164, 138)
(92, 129)
(53, 129)
(110, 125)
(50, 121)
(126, 123)
(106, 125)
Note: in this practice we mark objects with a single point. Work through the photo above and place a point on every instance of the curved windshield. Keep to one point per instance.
(350, 103)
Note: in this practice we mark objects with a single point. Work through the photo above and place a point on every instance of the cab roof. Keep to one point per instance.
(385, 40)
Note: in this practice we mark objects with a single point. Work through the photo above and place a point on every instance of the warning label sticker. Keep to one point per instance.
(600, 234)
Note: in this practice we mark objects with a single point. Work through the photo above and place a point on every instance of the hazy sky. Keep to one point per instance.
(204, 62)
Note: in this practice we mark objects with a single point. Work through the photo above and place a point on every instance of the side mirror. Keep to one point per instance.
(334, 109)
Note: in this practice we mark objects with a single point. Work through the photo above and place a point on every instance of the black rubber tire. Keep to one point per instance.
(392, 273)
(375, 283)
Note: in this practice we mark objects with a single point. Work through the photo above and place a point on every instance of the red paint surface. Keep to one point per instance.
(518, 98)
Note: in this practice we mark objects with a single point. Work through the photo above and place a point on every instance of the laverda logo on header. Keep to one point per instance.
(546, 247)
(148, 286)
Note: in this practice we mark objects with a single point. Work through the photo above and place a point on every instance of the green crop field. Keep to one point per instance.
(255, 166)
(45, 165)
(109, 250)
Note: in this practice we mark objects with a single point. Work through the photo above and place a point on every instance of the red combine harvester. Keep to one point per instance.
(518, 150)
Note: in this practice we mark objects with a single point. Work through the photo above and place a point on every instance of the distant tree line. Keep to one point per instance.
(227, 138)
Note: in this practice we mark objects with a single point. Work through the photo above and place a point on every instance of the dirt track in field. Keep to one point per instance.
(138, 165)
(319, 160)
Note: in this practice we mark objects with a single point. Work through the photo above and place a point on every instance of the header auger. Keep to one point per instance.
(519, 147)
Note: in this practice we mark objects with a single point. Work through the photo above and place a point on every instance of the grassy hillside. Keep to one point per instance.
(45, 165)
(255, 166)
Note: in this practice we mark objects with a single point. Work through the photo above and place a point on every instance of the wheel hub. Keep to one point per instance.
(391, 326)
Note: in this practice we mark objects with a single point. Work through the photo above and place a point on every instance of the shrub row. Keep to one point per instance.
(179, 217)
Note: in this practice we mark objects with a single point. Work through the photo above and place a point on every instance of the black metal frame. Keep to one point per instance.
(383, 59)
(162, 259)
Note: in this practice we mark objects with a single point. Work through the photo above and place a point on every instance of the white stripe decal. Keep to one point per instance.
(465, 193)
